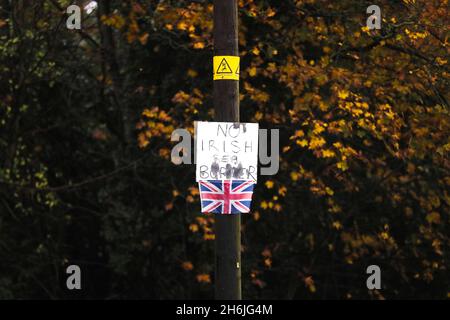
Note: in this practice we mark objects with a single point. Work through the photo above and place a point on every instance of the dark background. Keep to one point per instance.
(85, 173)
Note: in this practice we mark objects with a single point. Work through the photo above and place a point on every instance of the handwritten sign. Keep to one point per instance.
(226, 151)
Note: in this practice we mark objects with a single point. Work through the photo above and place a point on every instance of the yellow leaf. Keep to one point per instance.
(187, 265)
(343, 94)
(309, 283)
(337, 145)
(204, 277)
(182, 26)
(282, 191)
(318, 128)
(328, 153)
(209, 236)
(255, 51)
(384, 235)
(441, 61)
(329, 191)
(192, 73)
(142, 140)
(194, 191)
(270, 12)
(144, 38)
(342, 165)
(302, 143)
(316, 142)
(193, 227)
(299, 134)
(269, 184)
(199, 45)
(264, 204)
(323, 106)
(434, 217)
(295, 176)
(258, 115)
(337, 225)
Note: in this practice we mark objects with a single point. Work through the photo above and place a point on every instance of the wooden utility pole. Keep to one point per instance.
(226, 108)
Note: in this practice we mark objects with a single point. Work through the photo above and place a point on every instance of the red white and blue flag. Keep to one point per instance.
(226, 196)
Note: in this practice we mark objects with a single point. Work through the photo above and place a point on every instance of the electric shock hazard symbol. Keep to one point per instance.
(226, 68)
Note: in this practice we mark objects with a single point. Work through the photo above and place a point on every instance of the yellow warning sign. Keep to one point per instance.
(226, 68)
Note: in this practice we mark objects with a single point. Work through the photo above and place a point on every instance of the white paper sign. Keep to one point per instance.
(225, 150)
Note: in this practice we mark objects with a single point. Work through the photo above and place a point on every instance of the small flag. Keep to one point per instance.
(226, 196)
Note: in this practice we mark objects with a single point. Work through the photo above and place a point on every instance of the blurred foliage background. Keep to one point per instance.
(85, 172)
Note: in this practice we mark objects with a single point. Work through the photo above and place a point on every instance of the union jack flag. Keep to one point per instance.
(226, 196)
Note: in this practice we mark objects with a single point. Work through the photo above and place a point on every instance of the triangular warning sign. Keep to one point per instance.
(224, 67)
(237, 70)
